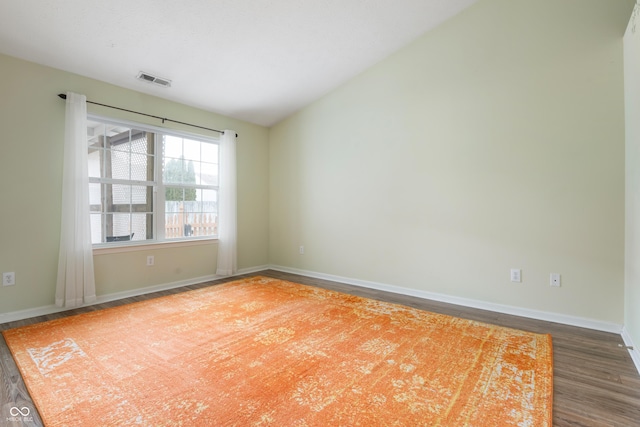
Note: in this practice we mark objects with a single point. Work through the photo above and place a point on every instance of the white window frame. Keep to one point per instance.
(158, 184)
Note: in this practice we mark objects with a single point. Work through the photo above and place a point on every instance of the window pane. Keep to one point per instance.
(139, 226)
(96, 228)
(185, 194)
(209, 174)
(95, 156)
(204, 224)
(192, 218)
(209, 152)
(119, 164)
(174, 223)
(210, 198)
(121, 225)
(142, 198)
(195, 204)
(172, 146)
(120, 141)
(120, 195)
(125, 209)
(95, 197)
(183, 220)
(143, 142)
(126, 140)
(185, 163)
(141, 167)
(191, 150)
(174, 171)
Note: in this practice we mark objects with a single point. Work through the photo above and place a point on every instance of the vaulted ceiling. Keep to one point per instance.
(254, 60)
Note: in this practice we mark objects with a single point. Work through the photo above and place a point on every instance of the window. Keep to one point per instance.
(147, 184)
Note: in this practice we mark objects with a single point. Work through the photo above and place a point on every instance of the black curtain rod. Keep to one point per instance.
(164, 119)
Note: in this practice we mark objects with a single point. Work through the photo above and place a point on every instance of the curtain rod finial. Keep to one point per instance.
(62, 95)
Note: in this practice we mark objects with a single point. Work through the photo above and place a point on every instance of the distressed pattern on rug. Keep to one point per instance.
(262, 351)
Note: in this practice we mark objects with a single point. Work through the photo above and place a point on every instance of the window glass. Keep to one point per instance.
(138, 196)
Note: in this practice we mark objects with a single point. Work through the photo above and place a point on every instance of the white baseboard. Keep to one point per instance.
(516, 311)
(251, 270)
(51, 309)
(466, 302)
(634, 351)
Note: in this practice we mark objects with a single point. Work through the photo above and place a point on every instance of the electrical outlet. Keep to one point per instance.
(516, 275)
(554, 280)
(151, 260)
(8, 279)
(301, 250)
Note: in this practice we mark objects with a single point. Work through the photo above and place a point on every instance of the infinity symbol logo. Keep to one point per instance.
(24, 411)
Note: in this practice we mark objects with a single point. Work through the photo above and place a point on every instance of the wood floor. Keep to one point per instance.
(595, 381)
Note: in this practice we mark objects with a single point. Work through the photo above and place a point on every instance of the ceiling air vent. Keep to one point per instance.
(146, 77)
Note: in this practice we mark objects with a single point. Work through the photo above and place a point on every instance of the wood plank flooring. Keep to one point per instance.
(595, 381)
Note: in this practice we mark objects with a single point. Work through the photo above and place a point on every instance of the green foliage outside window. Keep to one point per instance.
(175, 173)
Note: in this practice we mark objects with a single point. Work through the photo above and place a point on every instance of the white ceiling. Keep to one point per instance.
(254, 60)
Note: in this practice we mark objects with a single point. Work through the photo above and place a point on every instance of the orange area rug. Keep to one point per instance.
(266, 352)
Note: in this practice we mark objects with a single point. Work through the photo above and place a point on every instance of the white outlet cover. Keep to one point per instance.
(516, 275)
(8, 279)
(554, 280)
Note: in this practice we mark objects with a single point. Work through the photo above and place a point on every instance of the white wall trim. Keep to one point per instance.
(51, 309)
(635, 352)
(581, 322)
(465, 302)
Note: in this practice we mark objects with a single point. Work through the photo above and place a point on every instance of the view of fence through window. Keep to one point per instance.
(136, 195)
(190, 177)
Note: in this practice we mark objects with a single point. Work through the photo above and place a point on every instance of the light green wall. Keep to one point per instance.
(31, 141)
(632, 122)
(495, 141)
(492, 142)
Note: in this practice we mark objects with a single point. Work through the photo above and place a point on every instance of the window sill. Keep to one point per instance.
(103, 250)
